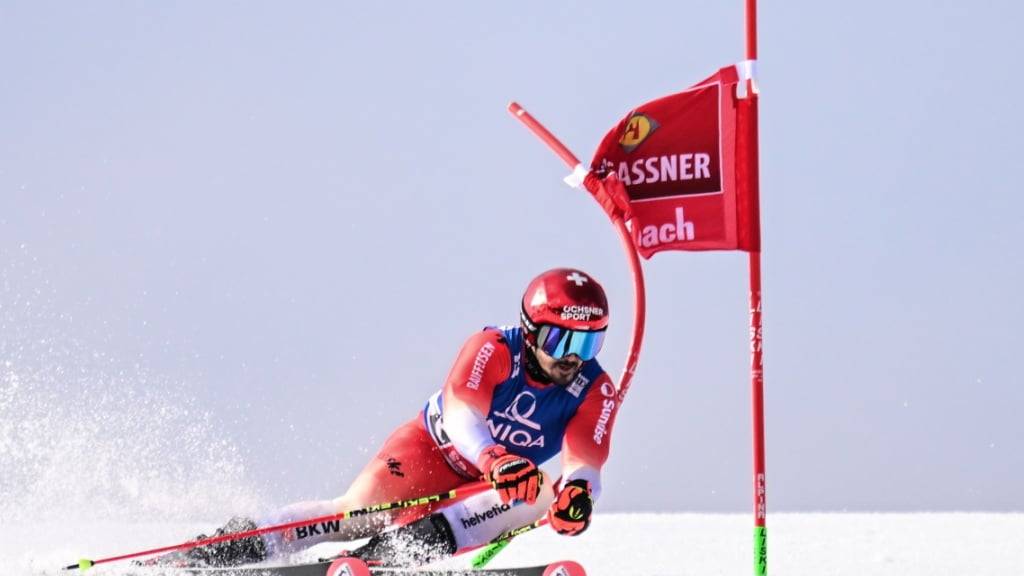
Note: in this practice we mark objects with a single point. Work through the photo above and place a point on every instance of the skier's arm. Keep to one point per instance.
(482, 364)
(588, 436)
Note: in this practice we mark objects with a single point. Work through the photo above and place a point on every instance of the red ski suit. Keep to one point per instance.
(410, 463)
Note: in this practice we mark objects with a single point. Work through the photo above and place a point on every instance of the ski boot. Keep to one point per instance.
(421, 542)
(248, 550)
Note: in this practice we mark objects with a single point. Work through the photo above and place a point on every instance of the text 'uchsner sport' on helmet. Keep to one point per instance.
(565, 297)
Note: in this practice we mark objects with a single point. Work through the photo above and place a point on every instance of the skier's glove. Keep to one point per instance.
(514, 477)
(570, 513)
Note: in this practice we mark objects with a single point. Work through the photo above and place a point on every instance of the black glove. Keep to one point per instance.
(570, 513)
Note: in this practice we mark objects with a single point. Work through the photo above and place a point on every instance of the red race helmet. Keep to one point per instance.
(565, 311)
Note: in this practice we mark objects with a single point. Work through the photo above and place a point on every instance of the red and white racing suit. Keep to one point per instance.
(486, 399)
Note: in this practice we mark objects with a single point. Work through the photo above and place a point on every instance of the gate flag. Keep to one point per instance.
(687, 163)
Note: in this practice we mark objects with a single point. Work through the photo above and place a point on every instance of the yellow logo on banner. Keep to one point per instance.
(639, 127)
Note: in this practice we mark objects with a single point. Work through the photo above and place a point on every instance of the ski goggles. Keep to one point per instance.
(559, 342)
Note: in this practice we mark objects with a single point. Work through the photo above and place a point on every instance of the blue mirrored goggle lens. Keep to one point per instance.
(560, 342)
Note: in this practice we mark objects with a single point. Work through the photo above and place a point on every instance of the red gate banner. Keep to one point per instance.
(684, 162)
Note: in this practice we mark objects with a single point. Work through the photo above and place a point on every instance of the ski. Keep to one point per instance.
(561, 568)
(355, 567)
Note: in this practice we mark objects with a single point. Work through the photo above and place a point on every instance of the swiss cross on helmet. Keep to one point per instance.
(565, 311)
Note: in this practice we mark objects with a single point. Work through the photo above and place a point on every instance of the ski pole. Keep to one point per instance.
(491, 549)
(462, 492)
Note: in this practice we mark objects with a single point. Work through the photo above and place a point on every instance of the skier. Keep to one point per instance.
(515, 398)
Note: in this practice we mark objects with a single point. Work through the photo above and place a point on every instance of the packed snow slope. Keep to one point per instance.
(625, 544)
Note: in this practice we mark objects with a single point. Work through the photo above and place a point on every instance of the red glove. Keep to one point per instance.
(570, 513)
(514, 477)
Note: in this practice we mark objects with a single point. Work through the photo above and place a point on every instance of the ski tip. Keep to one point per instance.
(565, 568)
(348, 567)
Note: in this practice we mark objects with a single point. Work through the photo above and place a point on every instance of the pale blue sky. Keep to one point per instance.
(296, 212)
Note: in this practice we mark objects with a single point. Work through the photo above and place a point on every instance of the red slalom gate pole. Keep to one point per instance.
(639, 289)
(546, 136)
(579, 173)
(756, 354)
(757, 395)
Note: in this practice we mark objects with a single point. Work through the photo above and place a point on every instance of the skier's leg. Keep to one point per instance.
(474, 521)
(408, 465)
(483, 517)
(291, 540)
